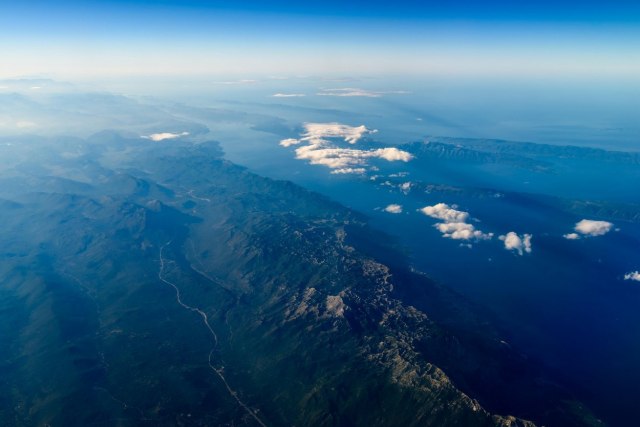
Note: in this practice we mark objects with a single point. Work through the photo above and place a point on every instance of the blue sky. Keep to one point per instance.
(542, 10)
(376, 37)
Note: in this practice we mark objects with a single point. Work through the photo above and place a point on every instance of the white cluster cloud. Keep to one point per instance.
(444, 212)
(319, 150)
(391, 154)
(634, 275)
(461, 231)
(454, 225)
(345, 158)
(593, 228)
(316, 132)
(164, 135)
(513, 242)
(588, 227)
(287, 95)
(393, 208)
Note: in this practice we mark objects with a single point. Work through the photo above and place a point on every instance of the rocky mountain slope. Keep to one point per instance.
(148, 283)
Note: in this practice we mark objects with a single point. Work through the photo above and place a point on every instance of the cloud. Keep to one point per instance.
(634, 275)
(513, 242)
(461, 231)
(589, 227)
(455, 224)
(164, 135)
(288, 95)
(348, 92)
(289, 142)
(344, 171)
(356, 92)
(391, 154)
(340, 158)
(444, 212)
(398, 175)
(320, 149)
(315, 132)
(405, 187)
(394, 209)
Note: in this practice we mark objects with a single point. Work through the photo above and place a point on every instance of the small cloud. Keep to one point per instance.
(391, 154)
(634, 275)
(405, 187)
(348, 92)
(589, 227)
(289, 142)
(455, 224)
(513, 242)
(398, 175)
(288, 95)
(35, 87)
(356, 92)
(344, 171)
(571, 236)
(394, 209)
(164, 135)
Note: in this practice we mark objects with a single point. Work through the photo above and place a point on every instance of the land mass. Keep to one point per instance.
(156, 283)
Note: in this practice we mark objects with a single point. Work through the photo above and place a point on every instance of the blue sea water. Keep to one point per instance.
(566, 303)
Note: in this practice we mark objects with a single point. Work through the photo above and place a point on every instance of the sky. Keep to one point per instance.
(72, 39)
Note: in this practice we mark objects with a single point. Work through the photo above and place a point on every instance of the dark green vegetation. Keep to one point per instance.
(148, 283)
